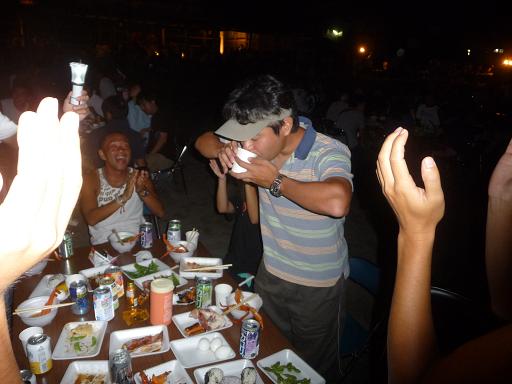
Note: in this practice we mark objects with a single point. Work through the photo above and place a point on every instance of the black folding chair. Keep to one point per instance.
(168, 173)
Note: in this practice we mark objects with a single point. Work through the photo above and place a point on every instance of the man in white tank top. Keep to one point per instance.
(113, 196)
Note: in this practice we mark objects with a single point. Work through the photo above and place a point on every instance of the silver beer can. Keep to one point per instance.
(120, 367)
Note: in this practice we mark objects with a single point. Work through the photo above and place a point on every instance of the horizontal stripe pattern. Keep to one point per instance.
(300, 246)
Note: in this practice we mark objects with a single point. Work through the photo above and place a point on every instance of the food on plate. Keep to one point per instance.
(129, 239)
(216, 376)
(141, 270)
(85, 378)
(284, 373)
(50, 301)
(193, 265)
(187, 296)
(173, 277)
(223, 352)
(209, 320)
(81, 339)
(248, 375)
(239, 296)
(180, 249)
(213, 376)
(146, 344)
(203, 344)
(155, 379)
(55, 280)
(215, 343)
(94, 281)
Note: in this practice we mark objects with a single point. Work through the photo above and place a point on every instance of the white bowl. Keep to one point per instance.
(256, 303)
(176, 256)
(36, 302)
(37, 268)
(125, 246)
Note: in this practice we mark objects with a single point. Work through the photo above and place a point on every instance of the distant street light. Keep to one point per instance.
(362, 49)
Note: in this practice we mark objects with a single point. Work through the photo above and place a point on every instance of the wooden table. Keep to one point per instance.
(271, 339)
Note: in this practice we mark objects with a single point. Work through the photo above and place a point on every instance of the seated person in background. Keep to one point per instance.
(413, 355)
(240, 199)
(161, 148)
(138, 119)
(19, 102)
(115, 111)
(113, 196)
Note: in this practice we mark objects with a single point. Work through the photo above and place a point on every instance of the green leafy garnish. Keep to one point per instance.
(76, 338)
(141, 270)
(175, 280)
(283, 377)
(76, 347)
(94, 341)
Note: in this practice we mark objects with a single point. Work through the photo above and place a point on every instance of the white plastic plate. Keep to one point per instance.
(118, 338)
(131, 267)
(91, 367)
(64, 349)
(231, 368)
(288, 356)
(43, 288)
(204, 262)
(178, 374)
(140, 281)
(188, 353)
(183, 320)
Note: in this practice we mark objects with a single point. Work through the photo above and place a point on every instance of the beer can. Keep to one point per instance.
(27, 377)
(250, 339)
(103, 304)
(117, 274)
(120, 367)
(79, 289)
(39, 353)
(174, 231)
(146, 235)
(66, 246)
(109, 282)
(203, 292)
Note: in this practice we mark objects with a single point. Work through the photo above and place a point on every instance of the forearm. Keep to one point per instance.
(154, 204)
(329, 197)
(162, 139)
(208, 145)
(9, 370)
(412, 344)
(251, 198)
(498, 256)
(222, 197)
(95, 215)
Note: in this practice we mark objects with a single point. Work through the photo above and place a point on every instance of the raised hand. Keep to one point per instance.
(215, 168)
(82, 109)
(36, 211)
(227, 155)
(418, 210)
(500, 184)
(130, 185)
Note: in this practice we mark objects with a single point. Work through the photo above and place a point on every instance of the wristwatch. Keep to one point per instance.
(143, 193)
(275, 187)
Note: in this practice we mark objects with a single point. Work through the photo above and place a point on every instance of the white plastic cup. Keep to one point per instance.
(26, 334)
(244, 155)
(222, 291)
(76, 277)
(192, 237)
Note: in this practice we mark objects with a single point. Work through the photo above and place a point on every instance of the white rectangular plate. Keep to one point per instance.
(91, 367)
(64, 348)
(183, 320)
(140, 281)
(131, 267)
(43, 288)
(178, 374)
(288, 356)
(203, 261)
(188, 353)
(231, 368)
(118, 338)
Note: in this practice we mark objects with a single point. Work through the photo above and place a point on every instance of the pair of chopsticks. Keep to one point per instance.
(229, 310)
(35, 309)
(208, 268)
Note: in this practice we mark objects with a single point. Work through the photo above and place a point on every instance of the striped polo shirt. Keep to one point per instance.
(300, 246)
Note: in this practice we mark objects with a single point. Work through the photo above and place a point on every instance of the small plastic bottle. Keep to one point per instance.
(160, 306)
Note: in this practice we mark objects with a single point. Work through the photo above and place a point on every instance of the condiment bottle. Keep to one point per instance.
(160, 301)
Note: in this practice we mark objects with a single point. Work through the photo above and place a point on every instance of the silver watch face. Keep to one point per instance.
(275, 187)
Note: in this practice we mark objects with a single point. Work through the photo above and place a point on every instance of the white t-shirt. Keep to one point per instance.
(7, 127)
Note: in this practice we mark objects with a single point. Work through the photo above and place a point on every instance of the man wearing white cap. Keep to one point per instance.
(305, 189)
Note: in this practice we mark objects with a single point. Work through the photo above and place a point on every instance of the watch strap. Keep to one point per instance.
(275, 187)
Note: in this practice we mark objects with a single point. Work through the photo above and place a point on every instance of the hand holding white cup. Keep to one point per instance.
(244, 155)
